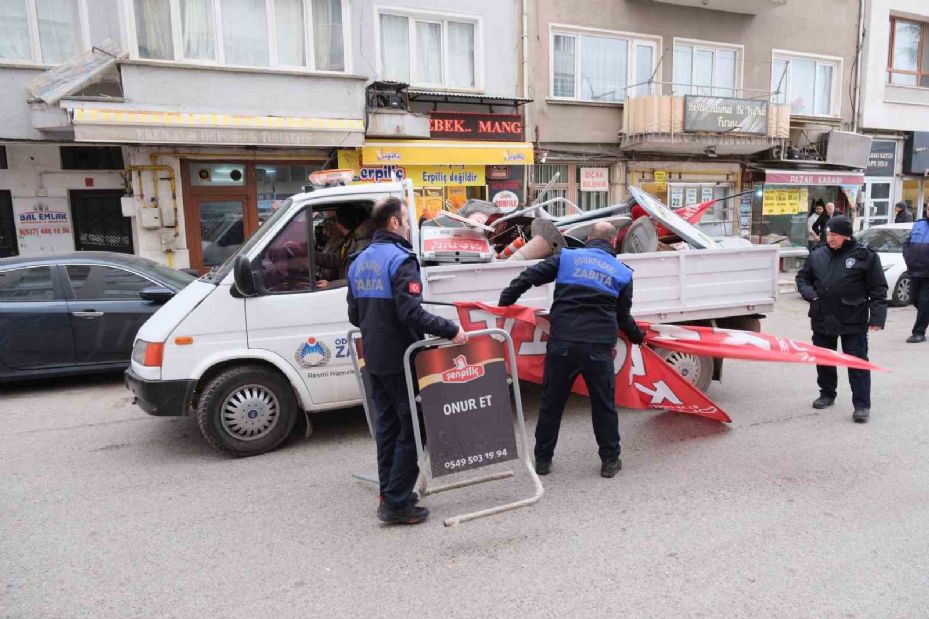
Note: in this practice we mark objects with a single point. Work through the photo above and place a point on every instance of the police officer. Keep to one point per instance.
(384, 297)
(593, 296)
(845, 286)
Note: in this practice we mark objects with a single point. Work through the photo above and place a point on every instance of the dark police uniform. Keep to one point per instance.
(593, 297)
(847, 292)
(384, 297)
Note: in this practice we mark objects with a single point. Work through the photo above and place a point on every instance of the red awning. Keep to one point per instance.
(813, 177)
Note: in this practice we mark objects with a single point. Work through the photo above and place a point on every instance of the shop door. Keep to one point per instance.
(99, 224)
(877, 202)
(222, 225)
(9, 246)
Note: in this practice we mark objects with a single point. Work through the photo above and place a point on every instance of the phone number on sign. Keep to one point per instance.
(486, 457)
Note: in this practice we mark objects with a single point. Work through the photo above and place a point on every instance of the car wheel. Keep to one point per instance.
(695, 368)
(903, 291)
(246, 411)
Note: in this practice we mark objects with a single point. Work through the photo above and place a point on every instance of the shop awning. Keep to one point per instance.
(827, 178)
(446, 152)
(143, 127)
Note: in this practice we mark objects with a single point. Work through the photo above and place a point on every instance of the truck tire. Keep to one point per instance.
(696, 369)
(246, 411)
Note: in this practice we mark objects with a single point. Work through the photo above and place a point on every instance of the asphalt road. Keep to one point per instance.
(787, 512)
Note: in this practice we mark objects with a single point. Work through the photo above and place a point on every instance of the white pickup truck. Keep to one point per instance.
(249, 346)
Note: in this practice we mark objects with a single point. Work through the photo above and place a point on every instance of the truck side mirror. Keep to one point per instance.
(244, 277)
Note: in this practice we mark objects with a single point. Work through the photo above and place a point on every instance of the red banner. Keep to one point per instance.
(692, 214)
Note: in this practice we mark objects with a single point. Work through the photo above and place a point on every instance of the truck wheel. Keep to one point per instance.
(698, 370)
(246, 411)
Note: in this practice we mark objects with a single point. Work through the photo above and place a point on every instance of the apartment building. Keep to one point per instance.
(895, 107)
(698, 99)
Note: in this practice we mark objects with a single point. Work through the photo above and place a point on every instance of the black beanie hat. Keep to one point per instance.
(840, 224)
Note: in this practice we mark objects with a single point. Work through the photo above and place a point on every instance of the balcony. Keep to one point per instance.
(746, 7)
(698, 125)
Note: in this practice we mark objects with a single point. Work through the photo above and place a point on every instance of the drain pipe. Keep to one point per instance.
(525, 62)
(858, 56)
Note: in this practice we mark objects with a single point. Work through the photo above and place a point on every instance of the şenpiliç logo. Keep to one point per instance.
(462, 371)
(312, 353)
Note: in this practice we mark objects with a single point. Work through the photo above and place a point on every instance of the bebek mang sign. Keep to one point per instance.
(643, 379)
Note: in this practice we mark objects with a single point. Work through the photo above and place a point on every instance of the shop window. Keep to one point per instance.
(807, 83)
(908, 60)
(428, 50)
(709, 69)
(91, 158)
(600, 67)
(589, 198)
(42, 31)
(277, 182)
(304, 34)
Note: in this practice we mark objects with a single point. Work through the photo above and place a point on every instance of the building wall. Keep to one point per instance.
(826, 27)
(885, 106)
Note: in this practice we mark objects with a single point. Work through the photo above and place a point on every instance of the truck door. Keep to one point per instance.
(300, 318)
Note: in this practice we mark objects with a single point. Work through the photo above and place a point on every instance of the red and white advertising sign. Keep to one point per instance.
(595, 179)
(507, 201)
(454, 243)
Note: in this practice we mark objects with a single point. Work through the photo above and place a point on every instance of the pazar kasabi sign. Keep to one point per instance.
(466, 405)
(472, 126)
(643, 379)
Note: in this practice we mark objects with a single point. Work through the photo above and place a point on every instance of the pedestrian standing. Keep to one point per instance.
(593, 298)
(825, 216)
(812, 231)
(845, 286)
(916, 255)
(384, 300)
(903, 214)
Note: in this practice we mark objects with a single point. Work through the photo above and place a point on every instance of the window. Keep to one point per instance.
(288, 34)
(884, 241)
(42, 31)
(909, 53)
(26, 285)
(102, 283)
(284, 264)
(443, 51)
(567, 181)
(708, 69)
(599, 66)
(807, 83)
(91, 158)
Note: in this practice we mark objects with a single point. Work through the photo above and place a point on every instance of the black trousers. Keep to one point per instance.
(920, 288)
(855, 344)
(563, 362)
(397, 465)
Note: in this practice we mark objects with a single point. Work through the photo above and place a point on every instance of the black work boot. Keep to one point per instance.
(408, 514)
(823, 402)
(414, 498)
(609, 468)
(543, 467)
(916, 339)
(861, 415)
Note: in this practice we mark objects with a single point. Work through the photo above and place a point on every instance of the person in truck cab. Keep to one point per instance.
(354, 229)
(385, 302)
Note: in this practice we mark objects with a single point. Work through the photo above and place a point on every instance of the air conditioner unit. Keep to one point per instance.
(387, 95)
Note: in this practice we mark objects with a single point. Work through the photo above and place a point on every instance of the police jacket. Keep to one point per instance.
(846, 289)
(593, 294)
(916, 249)
(384, 297)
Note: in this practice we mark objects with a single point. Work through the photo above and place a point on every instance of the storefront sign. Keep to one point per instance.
(499, 172)
(43, 225)
(784, 201)
(506, 200)
(595, 179)
(422, 176)
(470, 126)
(882, 159)
(441, 152)
(828, 179)
(724, 115)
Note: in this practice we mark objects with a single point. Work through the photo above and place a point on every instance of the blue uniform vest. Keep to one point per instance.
(372, 271)
(593, 268)
(920, 233)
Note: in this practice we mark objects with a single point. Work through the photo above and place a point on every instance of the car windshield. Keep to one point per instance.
(217, 274)
(884, 240)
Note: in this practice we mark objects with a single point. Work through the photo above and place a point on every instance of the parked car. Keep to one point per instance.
(887, 240)
(78, 312)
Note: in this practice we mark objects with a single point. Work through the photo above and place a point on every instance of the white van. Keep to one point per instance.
(254, 343)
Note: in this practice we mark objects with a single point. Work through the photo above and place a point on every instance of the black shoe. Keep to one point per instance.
(543, 467)
(409, 514)
(414, 498)
(916, 339)
(611, 467)
(861, 415)
(823, 402)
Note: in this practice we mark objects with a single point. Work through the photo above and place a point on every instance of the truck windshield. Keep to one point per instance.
(216, 275)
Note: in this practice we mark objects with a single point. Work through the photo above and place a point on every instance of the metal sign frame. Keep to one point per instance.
(422, 454)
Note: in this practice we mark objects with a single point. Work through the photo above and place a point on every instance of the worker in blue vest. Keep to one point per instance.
(593, 298)
(384, 301)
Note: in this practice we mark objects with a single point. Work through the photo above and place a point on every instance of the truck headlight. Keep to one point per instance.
(148, 354)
